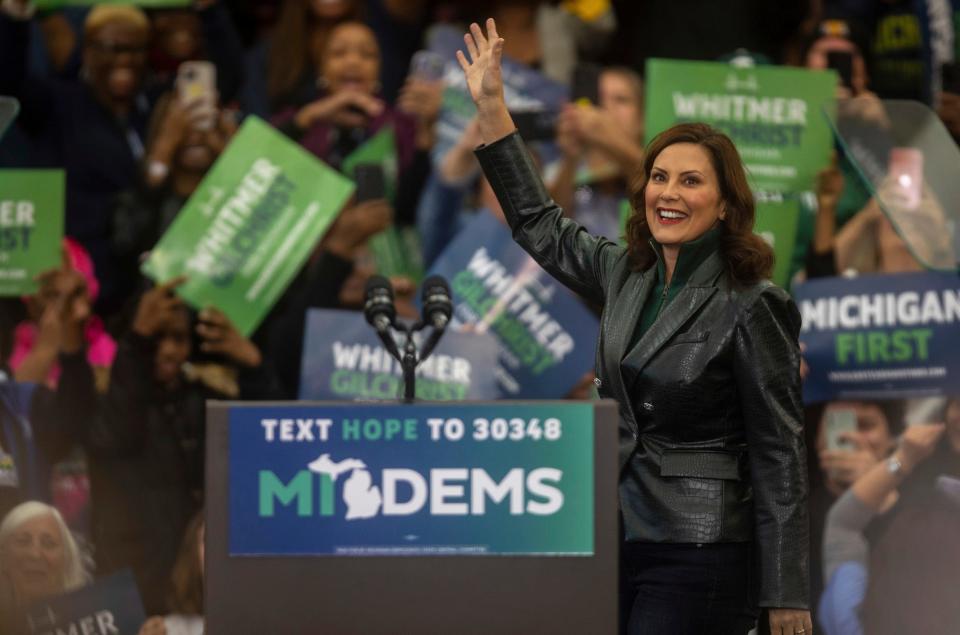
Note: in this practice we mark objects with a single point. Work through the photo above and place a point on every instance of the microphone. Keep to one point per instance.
(378, 308)
(437, 305)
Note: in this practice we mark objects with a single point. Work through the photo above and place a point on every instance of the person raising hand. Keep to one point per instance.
(700, 350)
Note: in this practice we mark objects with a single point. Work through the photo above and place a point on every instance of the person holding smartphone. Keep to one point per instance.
(891, 559)
(853, 436)
(188, 136)
(101, 114)
(350, 111)
(700, 352)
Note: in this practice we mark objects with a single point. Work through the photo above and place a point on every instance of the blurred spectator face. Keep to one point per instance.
(177, 34)
(33, 557)
(352, 59)
(872, 425)
(197, 151)
(331, 9)
(47, 295)
(620, 96)
(817, 59)
(173, 348)
(115, 57)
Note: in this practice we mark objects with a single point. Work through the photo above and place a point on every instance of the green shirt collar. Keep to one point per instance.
(691, 256)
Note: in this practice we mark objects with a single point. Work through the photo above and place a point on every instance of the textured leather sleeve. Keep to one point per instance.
(767, 371)
(559, 245)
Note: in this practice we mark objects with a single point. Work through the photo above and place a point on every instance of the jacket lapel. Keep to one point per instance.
(630, 304)
(695, 293)
(619, 332)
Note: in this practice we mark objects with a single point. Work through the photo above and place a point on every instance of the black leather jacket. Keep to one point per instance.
(711, 436)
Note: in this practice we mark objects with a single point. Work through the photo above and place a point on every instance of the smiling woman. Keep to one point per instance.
(115, 54)
(700, 352)
(38, 559)
(693, 179)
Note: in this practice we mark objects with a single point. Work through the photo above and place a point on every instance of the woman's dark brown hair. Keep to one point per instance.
(186, 579)
(291, 47)
(748, 257)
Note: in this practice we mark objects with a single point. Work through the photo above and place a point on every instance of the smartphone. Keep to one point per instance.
(585, 87)
(427, 65)
(197, 84)
(950, 78)
(842, 62)
(371, 182)
(905, 171)
(839, 421)
(535, 125)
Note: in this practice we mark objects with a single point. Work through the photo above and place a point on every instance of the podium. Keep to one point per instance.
(364, 518)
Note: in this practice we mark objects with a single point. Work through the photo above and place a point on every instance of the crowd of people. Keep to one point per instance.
(104, 375)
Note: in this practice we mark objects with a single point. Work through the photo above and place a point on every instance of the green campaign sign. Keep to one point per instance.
(250, 225)
(777, 221)
(772, 113)
(31, 227)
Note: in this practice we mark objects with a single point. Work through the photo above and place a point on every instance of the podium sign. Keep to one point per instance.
(494, 511)
(369, 480)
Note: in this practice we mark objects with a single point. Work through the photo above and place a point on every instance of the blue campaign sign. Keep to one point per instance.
(881, 336)
(110, 606)
(343, 359)
(524, 89)
(436, 479)
(546, 336)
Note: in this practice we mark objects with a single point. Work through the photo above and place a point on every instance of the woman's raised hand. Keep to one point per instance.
(485, 81)
(483, 69)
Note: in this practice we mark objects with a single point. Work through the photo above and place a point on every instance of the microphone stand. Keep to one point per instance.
(409, 364)
(411, 359)
(389, 344)
(431, 342)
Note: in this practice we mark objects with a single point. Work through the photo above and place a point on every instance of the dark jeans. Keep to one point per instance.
(679, 589)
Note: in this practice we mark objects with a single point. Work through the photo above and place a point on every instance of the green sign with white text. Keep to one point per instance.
(31, 227)
(776, 223)
(773, 114)
(250, 225)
